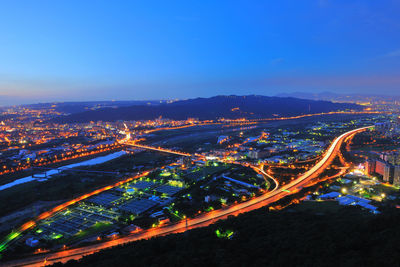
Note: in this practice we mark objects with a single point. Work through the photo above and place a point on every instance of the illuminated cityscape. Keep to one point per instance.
(130, 153)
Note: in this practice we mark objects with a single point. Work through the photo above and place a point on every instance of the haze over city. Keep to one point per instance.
(102, 50)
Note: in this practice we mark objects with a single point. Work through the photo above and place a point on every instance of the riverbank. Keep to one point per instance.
(8, 178)
(49, 173)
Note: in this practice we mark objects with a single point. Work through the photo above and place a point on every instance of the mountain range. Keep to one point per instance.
(232, 107)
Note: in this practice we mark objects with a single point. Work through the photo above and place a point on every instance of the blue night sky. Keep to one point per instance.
(103, 50)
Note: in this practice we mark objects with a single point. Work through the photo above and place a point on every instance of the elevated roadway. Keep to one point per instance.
(159, 149)
(201, 220)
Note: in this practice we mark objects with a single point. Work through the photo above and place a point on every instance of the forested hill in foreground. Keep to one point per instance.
(232, 107)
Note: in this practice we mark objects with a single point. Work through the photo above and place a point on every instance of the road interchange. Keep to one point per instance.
(202, 219)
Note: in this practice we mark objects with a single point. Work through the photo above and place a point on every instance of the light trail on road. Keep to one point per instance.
(201, 220)
(265, 174)
(159, 149)
(30, 224)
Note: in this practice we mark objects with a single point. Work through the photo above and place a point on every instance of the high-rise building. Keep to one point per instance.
(391, 157)
(370, 167)
(396, 175)
(380, 167)
(388, 173)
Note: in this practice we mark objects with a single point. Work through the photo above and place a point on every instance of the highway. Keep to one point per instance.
(229, 122)
(202, 219)
(159, 149)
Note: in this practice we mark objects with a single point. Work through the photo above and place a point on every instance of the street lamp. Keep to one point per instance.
(186, 222)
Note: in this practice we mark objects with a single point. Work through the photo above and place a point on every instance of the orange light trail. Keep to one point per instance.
(202, 219)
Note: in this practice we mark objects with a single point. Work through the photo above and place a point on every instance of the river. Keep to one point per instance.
(49, 173)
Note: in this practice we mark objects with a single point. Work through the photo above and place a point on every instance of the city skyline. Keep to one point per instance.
(71, 51)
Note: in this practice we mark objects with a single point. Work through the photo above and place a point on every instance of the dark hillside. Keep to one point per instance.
(345, 236)
(211, 108)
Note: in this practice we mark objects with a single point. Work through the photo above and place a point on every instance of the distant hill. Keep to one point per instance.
(76, 107)
(252, 106)
(335, 97)
(327, 96)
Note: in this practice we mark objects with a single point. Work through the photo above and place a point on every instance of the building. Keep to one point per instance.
(380, 167)
(386, 170)
(389, 129)
(396, 175)
(370, 167)
(392, 157)
(383, 128)
(131, 229)
(187, 161)
(256, 154)
(388, 173)
(331, 195)
(32, 242)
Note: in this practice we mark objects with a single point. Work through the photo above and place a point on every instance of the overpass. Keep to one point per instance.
(158, 149)
(202, 219)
